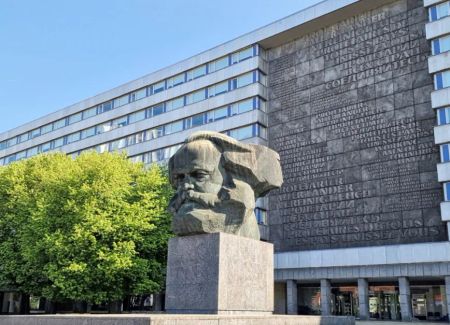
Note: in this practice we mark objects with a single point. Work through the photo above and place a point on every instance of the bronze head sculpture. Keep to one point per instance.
(218, 179)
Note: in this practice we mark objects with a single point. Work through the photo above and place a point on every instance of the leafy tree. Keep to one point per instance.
(88, 229)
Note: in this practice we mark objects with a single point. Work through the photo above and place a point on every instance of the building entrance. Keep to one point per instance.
(384, 303)
(345, 301)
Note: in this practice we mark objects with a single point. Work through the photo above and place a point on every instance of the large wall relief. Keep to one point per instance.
(350, 116)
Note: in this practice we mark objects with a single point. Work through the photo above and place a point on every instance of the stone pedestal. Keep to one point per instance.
(219, 274)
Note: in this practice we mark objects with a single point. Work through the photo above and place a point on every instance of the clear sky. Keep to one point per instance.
(54, 53)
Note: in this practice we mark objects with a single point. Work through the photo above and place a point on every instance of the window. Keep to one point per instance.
(156, 110)
(3, 145)
(32, 152)
(10, 159)
(11, 142)
(101, 148)
(121, 101)
(174, 104)
(218, 89)
(138, 94)
(261, 131)
(22, 154)
(443, 116)
(242, 107)
(441, 45)
(158, 87)
(88, 133)
(194, 121)
(242, 133)
(442, 80)
(242, 55)
(135, 138)
(175, 81)
(90, 112)
(46, 147)
(244, 80)
(218, 64)
(105, 127)
(46, 128)
(154, 133)
(136, 159)
(173, 127)
(447, 191)
(35, 133)
(261, 216)
(195, 97)
(217, 114)
(58, 142)
(59, 124)
(138, 116)
(105, 107)
(197, 72)
(445, 153)
(75, 118)
(439, 11)
(73, 137)
(119, 122)
(118, 144)
(24, 137)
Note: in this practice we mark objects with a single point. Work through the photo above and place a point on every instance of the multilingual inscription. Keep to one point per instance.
(349, 114)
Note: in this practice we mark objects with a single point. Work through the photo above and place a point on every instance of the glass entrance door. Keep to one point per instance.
(384, 303)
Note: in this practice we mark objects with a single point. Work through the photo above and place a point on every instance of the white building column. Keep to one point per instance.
(363, 298)
(405, 299)
(325, 297)
(291, 297)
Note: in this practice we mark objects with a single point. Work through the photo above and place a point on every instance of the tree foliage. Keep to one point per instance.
(89, 229)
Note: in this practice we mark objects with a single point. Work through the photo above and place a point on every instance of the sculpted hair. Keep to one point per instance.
(257, 165)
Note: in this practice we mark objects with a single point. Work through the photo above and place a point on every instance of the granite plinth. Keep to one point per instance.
(142, 319)
(219, 273)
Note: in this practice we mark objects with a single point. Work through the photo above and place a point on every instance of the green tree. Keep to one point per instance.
(88, 229)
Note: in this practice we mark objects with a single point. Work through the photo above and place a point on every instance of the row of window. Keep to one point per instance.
(440, 45)
(439, 11)
(245, 132)
(138, 94)
(447, 191)
(442, 80)
(202, 94)
(173, 127)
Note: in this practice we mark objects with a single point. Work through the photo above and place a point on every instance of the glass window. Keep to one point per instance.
(194, 121)
(218, 89)
(89, 112)
(121, 101)
(119, 122)
(218, 64)
(447, 191)
(443, 116)
(58, 142)
(175, 103)
(173, 127)
(439, 11)
(46, 147)
(3, 145)
(88, 133)
(105, 127)
(262, 131)
(158, 87)
(158, 109)
(59, 124)
(11, 142)
(242, 133)
(136, 159)
(135, 138)
(75, 118)
(73, 137)
(35, 133)
(10, 159)
(24, 137)
(101, 148)
(176, 80)
(32, 152)
(261, 216)
(105, 107)
(22, 154)
(445, 153)
(154, 133)
(119, 144)
(245, 80)
(138, 94)
(242, 55)
(220, 113)
(195, 97)
(138, 116)
(197, 72)
(245, 106)
(46, 128)
(441, 45)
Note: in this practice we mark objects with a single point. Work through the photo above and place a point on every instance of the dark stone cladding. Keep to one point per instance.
(350, 115)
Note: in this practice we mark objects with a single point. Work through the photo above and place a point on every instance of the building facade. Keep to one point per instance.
(355, 96)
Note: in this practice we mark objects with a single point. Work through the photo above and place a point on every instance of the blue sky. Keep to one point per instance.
(55, 53)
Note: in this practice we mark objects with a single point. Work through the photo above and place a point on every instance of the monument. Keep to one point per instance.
(217, 265)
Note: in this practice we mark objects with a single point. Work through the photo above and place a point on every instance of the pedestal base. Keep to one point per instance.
(219, 274)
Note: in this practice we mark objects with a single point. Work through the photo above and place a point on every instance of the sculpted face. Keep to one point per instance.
(217, 180)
